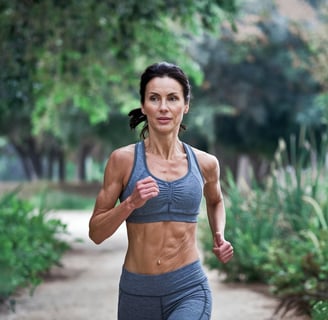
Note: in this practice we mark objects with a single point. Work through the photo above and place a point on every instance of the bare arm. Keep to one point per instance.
(107, 216)
(215, 206)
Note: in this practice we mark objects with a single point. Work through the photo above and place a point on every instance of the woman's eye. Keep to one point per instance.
(173, 98)
(153, 98)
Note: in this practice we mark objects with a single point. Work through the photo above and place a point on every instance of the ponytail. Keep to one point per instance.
(136, 117)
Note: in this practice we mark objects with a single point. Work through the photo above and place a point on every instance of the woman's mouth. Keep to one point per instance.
(163, 120)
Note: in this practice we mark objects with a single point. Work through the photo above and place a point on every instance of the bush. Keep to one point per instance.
(251, 224)
(298, 272)
(279, 231)
(29, 244)
(298, 260)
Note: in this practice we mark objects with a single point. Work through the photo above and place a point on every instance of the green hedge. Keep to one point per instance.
(29, 244)
(279, 230)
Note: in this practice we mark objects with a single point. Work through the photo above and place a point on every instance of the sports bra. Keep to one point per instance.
(178, 200)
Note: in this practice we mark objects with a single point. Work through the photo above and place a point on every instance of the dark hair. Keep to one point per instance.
(160, 69)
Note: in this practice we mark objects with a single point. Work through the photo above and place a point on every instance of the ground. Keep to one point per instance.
(85, 287)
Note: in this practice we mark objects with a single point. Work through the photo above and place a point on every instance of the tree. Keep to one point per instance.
(84, 55)
(259, 88)
(318, 66)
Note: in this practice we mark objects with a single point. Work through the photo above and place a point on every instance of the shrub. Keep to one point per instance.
(279, 231)
(298, 260)
(29, 244)
(298, 272)
(251, 224)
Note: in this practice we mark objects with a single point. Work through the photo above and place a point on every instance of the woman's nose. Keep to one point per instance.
(163, 104)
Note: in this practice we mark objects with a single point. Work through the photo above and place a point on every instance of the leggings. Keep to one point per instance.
(183, 294)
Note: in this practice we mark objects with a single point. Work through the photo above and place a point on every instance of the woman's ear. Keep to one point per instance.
(186, 108)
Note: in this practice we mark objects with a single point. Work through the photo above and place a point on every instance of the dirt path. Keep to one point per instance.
(86, 286)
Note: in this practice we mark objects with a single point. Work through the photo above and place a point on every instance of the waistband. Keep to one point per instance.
(162, 284)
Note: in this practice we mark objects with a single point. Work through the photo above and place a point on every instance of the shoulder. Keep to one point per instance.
(125, 153)
(120, 162)
(206, 160)
(208, 164)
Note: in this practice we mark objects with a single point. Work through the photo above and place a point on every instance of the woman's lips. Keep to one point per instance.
(163, 120)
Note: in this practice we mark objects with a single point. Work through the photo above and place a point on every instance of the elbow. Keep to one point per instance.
(94, 234)
(96, 239)
(98, 234)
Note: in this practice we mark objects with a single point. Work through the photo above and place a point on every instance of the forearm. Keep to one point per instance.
(104, 223)
(216, 217)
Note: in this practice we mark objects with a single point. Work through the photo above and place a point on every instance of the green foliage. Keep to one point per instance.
(68, 66)
(320, 310)
(246, 212)
(86, 55)
(274, 79)
(280, 230)
(29, 244)
(297, 270)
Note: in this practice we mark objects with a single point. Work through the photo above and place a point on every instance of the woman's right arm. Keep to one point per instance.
(107, 217)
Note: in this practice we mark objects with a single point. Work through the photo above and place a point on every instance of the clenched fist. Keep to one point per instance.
(144, 190)
(222, 248)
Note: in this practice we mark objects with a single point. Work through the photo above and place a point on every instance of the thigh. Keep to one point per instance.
(138, 307)
(192, 304)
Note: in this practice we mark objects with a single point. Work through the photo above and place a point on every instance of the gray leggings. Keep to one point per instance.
(183, 294)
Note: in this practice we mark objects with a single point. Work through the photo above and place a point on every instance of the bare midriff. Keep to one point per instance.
(159, 247)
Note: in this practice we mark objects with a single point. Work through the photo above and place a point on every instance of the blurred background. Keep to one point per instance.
(259, 73)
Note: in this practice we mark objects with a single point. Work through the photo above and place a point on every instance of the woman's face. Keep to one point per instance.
(164, 105)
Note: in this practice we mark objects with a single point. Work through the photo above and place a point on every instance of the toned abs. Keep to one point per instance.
(159, 247)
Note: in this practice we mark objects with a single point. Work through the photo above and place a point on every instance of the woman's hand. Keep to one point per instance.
(222, 248)
(144, 190)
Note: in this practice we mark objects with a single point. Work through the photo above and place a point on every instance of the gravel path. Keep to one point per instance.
(86, 286)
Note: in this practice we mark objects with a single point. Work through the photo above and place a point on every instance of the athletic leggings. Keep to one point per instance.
(183, 294)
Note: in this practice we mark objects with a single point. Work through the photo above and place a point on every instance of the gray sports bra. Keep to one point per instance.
(178, 200)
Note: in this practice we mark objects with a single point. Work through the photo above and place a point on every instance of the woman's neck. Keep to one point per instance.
(164, 148)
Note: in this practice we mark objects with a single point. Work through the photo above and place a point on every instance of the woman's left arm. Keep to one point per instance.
(215, 206)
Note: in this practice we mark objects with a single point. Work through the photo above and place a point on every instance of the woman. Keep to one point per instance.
(160, 182)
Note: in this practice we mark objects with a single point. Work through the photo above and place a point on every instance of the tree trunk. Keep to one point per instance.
(61, 166)
(24, 160)
(244, 171)
(35, 157)
(83, 153)
(50, 164)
